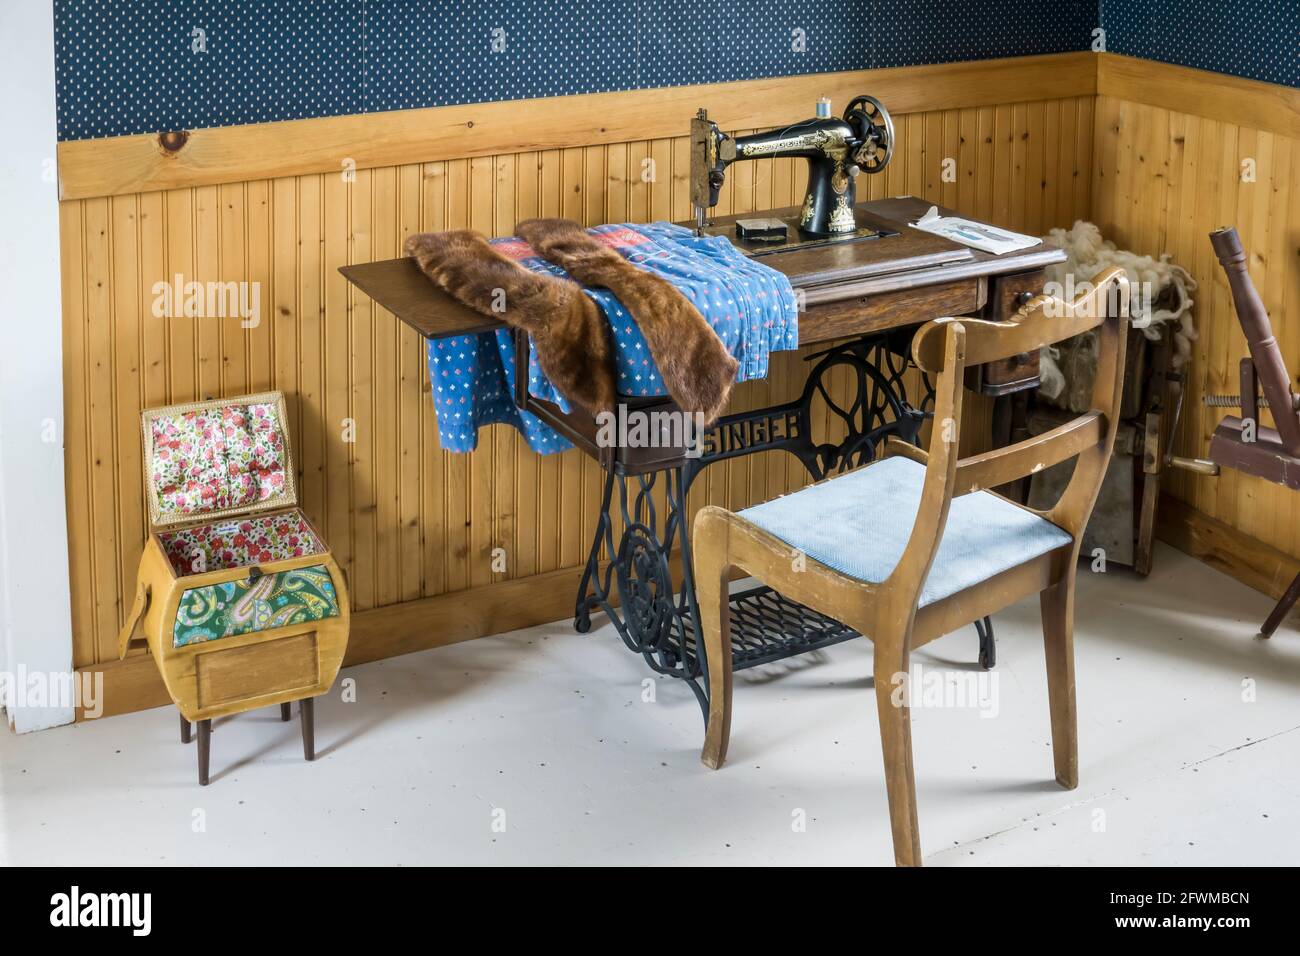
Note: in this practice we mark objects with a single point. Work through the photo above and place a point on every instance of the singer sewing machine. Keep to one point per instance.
(862, 303)
(837, 150)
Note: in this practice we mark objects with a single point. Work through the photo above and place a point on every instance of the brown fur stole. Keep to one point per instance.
(573, 342)
(696, 367)
(568, 328)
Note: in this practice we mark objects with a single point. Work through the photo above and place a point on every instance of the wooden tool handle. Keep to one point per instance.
(1198, 465)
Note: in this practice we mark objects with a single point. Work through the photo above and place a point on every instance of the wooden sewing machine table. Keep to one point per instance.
(873, 292)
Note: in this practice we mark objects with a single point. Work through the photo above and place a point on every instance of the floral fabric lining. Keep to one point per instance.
(239, 543)
(213, 459)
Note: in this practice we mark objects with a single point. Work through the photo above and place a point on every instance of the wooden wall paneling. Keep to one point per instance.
(407, 519)
(482, 461)
(1080, 171)
(1004, 156)
(209, 351)
(1220, 365)
(570, 531)
(1287, 250)
(1252, 224)
(1164, 176)
(386, 384)
(99, 390)
(131, 164)
(434, 481)
(1254, 198)
(259, 257)
(280, 302)
(505, 492)
(307, 261)
(1200, 93)
(549, 467)
(1284, 249)
(456, 556)
(595, 193)
(76, 437)
(337, 361)
(523, 563)
(1210, 302)
(230, 266)
(126, 495)
(1035, 168)
(1190, 202)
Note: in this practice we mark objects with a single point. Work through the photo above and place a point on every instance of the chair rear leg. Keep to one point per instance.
(1284, 604)
(896, 744)
(712, 575)
(1057, 604)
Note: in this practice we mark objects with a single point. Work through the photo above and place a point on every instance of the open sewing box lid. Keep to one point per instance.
(213, 459)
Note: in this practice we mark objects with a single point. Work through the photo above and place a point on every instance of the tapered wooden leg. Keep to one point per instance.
(205, 750)
(711, 579)
(185, 730)
(1058, 643)
(286, 711)
(307, 714)
(1284, 604)
(896, 744)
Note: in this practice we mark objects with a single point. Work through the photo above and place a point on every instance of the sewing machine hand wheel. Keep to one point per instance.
(870, 120)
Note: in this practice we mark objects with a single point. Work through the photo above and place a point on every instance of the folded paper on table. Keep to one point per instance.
(751, 307)
(977, 235)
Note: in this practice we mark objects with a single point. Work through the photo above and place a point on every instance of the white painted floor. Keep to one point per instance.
(545, 731)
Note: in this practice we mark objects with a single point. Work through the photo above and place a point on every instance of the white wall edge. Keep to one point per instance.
(35, 600)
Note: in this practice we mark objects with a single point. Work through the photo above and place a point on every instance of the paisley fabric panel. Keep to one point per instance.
(217, 459)
(242, 607)
(240, 543)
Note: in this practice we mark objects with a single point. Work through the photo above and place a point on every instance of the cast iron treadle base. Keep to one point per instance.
(656, 616)
(767, 626)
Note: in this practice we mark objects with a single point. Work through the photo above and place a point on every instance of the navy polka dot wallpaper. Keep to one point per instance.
(141, 66)
(1257, 39)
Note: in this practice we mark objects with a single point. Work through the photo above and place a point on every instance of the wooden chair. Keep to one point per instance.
(911, 547)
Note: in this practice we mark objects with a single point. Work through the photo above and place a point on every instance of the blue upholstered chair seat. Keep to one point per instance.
(859, 524)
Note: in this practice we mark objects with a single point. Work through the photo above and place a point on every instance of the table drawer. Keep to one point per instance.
(861, 315)
(1018, 372)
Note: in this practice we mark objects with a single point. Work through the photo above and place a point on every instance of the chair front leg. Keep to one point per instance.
(891, 660)
(1057, 604)
(712, 576)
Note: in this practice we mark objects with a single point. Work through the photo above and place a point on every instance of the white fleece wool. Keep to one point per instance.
(1089, 254)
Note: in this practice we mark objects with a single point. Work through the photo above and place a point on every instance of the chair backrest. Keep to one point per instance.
(945, 347)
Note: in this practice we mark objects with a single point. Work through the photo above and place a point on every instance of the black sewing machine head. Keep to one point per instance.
(837, 150)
